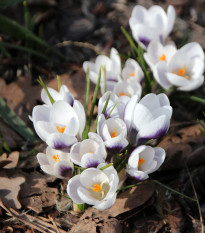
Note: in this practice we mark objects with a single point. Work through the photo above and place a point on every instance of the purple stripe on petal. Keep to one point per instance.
(111, 79)
(118, 147)
(59, 145)
(144, 40)
(65, 171)
(91, 163)
(71, 101)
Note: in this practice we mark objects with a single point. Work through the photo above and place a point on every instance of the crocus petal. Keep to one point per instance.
(159, 157)
(106, 204)
(72, 187)
(138, 175)
(91, 160)
(63, 169)
(54, 94)
(60, 141)
(42, 159)
(85, 195)
(155, 129)
(159, 72)
(171, 16)
(192, 85)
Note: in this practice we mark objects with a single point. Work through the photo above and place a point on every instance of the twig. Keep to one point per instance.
(196, 197)
(54, 224)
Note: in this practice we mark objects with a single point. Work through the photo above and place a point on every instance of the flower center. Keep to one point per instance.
(132, 74)
(122, 93)
(61, 129)
(182, 72)
(114, 134)
(56, 157)
(96, 188)
(163, 57)
(141, 161)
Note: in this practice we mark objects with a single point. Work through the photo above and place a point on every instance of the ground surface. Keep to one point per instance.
(29, 199)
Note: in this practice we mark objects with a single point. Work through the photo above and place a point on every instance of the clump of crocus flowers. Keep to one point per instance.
(129, 115)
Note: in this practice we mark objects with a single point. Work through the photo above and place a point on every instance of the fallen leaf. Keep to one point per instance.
(9, 188)
(35, 193)
(12, 159)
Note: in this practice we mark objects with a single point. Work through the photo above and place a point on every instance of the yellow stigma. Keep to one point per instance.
(114, 134)
(141, 161)
(163, 57)
(60, 129)
(96, 188)
(56, 157)
(132, 74)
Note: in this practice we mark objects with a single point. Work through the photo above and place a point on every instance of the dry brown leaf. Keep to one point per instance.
(12, 159)
(35, 193)
(9, 188)
(186, 144)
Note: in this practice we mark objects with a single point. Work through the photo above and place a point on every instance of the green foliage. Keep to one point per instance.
(9, 117)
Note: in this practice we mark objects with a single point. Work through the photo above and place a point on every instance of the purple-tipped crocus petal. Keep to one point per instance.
(91, 160)
(61, 141)
(155, 129)
(72, 187)
(63, 169)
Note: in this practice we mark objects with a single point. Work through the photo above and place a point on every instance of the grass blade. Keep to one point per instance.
(17, 31)
(87, 90)
(10, 118)
(24, 49)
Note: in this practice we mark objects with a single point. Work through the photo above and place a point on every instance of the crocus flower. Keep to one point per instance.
(63, 94)
(132, 71)
(58, 125)
(156, 52)
(126, 89)
(115, 107)
(94, 187)
(150, 24)
(90, 152)
(184, 70)
(113, 131)
(145, 160)
(148, 119)
(111, 64)
(56, 163)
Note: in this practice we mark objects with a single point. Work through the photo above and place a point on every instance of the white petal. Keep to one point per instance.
(106, 204)
(84, 194)
(160, 74)
(54, 94)
(192, 85)
(171, 16)
(91, 160)
(60, 141)
(63, 169)
(42, 159)
(72, 187)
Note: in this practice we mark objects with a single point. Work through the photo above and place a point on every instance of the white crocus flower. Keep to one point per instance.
(56, 163)
(94, 187)
(184, 70)
(90, 152)
(145, 160)
(113, 131)
(126, 89)
(58, 125)
(132, 71)
(154, 23)
(63, 94)
(115, 107)
(156, 52)
(148, 119)
(111, 64)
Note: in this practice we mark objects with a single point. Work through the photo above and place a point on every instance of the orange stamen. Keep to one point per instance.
(132, 74)
(163, 57)
(96, 188)
(56, 157)
(121, 94)
(141, 161)
(114, 134)
(182, 71)
(60, 129)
